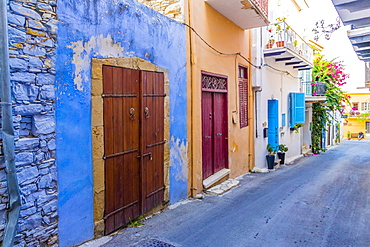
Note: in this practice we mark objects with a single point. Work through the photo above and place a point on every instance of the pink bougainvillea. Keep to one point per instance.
(333, 75)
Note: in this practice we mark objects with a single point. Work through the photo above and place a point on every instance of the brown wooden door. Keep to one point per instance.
(153, 139)
(214, 132)
(133, 157)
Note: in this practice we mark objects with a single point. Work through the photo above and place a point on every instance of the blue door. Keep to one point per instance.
(273, 123)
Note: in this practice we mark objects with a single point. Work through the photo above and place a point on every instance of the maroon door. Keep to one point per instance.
(133, 143)
(214, 124)
(207, 134)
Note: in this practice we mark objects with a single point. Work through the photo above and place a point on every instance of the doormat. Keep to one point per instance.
(155, 243)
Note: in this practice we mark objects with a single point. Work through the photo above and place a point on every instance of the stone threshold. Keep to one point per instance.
(215, 178)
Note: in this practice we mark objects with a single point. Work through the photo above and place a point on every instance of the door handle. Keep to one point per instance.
(146, 112)
(207, 137)
(132, 113)
(219, 134)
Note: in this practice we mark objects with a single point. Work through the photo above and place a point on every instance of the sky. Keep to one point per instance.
(338, 46)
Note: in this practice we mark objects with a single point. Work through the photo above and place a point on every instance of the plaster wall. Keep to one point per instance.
(116, 30)
(306, 127)
(354, 126)
(225, 36)
(276, 85)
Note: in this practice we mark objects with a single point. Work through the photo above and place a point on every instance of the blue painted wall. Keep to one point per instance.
(127, 28)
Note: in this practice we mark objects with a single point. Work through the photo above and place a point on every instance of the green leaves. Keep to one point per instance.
(332, 74)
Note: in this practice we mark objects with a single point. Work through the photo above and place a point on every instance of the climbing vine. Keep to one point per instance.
(332, 74)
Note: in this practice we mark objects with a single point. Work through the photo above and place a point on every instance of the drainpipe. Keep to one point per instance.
(193, 189)
(7, 132)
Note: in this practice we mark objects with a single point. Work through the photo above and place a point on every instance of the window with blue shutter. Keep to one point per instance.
(273, 123)
(283, 120)
(297, 108)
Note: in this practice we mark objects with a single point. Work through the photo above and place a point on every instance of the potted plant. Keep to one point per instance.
(280, 28)
(270, 157)
(349, 135)
(295, 43)
(296, 127)
(271, 41)
(281, 153)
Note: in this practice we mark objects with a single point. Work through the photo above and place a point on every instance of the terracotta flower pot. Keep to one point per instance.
(269, 46)
(280, 43)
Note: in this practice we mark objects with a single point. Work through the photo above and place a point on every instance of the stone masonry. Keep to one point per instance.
(171, 8)
(32, 43)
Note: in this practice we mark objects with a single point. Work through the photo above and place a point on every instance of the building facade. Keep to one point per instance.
(357, 116)
(220, 94)
(282, 104)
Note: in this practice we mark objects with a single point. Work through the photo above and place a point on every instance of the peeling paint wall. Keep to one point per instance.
(178, 168)
(109, 29)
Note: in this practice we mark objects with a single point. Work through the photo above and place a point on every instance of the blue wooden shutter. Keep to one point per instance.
(273, 123)
(297, 108)
(300, 108)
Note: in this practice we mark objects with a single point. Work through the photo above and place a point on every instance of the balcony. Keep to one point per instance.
(246, 14)
(354, 113)
(314, 91)
(286, 46)
(357, 14)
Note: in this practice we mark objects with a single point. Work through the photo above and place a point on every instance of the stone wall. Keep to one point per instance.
(32, 43)
(171, 8)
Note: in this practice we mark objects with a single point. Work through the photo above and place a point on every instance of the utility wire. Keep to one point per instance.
(282, 71)
(239, 54)
(219, 52)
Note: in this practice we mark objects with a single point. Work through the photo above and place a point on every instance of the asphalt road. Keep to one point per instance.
(321, 200)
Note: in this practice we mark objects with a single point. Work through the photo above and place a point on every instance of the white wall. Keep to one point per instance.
(276, 85)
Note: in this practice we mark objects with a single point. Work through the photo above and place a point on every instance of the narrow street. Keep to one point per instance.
(321, 200)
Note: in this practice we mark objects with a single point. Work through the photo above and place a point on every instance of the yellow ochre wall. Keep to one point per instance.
(226, 37)
(354, 124)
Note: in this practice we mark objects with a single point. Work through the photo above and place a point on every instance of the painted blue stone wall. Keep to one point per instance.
(109, 29)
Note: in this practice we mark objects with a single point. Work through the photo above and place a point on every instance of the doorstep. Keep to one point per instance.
(215, 178)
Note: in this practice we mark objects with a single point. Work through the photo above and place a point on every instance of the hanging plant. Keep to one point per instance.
(332, 74)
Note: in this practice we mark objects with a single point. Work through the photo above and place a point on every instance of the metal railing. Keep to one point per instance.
(263, 5)
(281, 34)
(312, 88)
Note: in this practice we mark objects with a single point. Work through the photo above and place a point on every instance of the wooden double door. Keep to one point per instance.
(133, 102)
(214, 132)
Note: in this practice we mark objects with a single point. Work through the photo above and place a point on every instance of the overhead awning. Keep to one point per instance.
(353, 12)
(246, 14)
(360, 39)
